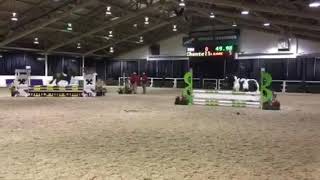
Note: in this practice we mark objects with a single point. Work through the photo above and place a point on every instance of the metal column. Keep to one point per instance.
(83, 65)
(46, 64)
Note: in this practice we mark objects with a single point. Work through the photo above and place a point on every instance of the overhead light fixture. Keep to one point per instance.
(146, 20)
(182, 3)
(135, 25)
(14, 17)
(212, 15)
(111, 50)
(141, 39)
(36, 41)
(314, 3)
(245, 12)
(108, 11)
(267, 24)
(79, 46)
(69, 27)
(110, 34)
(41, 58)
(174, 28)
(234, 24)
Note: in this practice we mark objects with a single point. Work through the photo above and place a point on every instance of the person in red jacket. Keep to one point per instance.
(144, 82)
(134, 81)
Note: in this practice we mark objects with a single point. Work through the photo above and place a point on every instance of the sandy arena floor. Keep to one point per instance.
(146, 137)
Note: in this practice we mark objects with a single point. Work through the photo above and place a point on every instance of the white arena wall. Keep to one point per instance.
(251, 42)
(255, 42)
(169, 47)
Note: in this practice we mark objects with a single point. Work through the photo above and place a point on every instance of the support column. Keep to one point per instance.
(46, 65)
(284, 86)
(83, 65)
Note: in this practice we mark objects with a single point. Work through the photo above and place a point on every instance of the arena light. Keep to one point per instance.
(245, 12)
(212, 15)
(141, 39)
(234, 24)
(69, 27)
(146, 20)
(41, 58)
(108, 11)
(14, 17)
(110, 34)
(182, 3)
(79, 46)
(36, 41)
(174, 28)
(267, 24)
(314, 3)
(135, 25)
(111, 50)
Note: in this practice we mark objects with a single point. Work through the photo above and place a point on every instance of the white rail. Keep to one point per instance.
(217, 82)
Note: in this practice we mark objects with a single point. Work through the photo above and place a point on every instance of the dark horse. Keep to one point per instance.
(65, 75)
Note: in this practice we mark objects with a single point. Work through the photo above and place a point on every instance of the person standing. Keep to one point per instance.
(144, 82)
(134, 81)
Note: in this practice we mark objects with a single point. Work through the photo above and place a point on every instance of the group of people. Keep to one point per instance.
(136, 80)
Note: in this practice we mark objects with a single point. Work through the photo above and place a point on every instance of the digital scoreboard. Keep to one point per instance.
(219, 50)
(218, 43)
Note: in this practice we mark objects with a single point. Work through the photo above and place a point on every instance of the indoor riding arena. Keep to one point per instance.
(159, 90)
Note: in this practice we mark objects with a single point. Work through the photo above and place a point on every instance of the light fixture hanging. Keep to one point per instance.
(14, 17)
(110, 34)
(174, 28)
(108, 11)
(245, 12)
(314, 3)
(212, 15)
(111, 50)
(69, 27)
(267, 24)
(234, 24)
(36, 41)
(79, 46)
(141, 39)
(182, 3)
(146, 20)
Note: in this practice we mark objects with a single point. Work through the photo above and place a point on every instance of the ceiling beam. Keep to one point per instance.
(129, 37)
(261, 8)
(44, 24)
(104, 26)
(43, 52)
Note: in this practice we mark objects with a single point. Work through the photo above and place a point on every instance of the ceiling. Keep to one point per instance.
(47, 20)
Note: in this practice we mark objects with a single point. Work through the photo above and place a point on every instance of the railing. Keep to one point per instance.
(216, 84)
(175, 81)
(285, 83)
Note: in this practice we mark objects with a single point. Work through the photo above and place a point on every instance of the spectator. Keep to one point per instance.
(134, 81)
(144, 82)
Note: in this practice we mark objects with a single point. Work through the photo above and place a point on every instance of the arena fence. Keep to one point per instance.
(216, 84)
